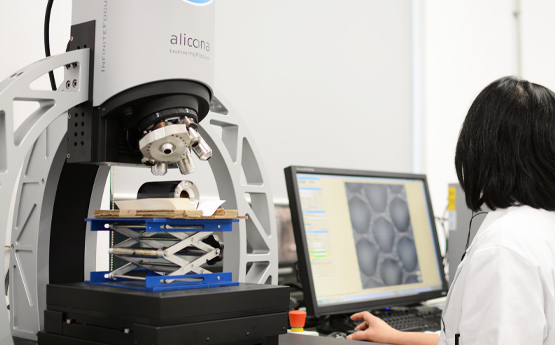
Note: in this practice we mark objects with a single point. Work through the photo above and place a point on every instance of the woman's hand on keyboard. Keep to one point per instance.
(374, 329)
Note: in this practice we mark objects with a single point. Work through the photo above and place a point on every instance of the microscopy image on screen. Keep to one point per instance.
(383, 234)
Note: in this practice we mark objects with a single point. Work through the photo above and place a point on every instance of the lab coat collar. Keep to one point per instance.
(491, 217)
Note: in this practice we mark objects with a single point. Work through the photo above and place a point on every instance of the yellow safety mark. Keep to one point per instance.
(452, 205)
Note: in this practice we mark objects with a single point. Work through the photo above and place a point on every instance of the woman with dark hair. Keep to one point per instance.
(504, 289)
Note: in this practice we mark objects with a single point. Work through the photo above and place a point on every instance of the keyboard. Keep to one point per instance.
(411, 319)
(415, 319)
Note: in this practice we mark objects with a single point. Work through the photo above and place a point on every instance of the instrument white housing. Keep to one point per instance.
(137, 43)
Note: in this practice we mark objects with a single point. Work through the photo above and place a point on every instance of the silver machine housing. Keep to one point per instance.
(137, 43)
(152, 83)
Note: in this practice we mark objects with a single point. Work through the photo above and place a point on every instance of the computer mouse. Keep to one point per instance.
(339, 335)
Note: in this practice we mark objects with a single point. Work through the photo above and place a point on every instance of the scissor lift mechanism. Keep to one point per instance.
(167, 266)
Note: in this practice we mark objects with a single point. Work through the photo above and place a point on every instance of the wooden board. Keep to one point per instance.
(173, 214)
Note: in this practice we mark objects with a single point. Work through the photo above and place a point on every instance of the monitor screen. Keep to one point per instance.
(364, 239)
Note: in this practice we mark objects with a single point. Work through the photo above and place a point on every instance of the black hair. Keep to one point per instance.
(506, 149)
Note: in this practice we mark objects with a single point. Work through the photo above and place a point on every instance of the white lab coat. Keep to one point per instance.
(504, 290)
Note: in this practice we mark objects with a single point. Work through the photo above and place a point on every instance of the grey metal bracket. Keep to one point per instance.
(251, 248)
(27, 154)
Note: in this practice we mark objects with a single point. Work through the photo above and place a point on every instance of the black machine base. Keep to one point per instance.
(247, 314)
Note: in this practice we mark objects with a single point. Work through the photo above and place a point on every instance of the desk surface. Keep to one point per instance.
(301, 339)
(284, 339)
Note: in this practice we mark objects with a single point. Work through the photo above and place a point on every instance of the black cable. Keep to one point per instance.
(294, 286)
(47, 40)
(442, 220)
(469, 228)
(299, 303)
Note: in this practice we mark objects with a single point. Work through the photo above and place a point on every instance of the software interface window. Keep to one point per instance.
(368, 238)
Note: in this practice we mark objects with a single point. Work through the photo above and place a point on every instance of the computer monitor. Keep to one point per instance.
(365, 240)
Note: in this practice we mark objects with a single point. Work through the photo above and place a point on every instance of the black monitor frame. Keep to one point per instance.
(305, 270)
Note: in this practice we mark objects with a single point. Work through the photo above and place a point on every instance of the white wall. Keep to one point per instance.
(21, 33)
(538, 50)
(320, 83)
(466, 46)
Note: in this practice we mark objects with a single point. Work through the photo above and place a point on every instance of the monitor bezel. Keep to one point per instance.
(305, 271)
